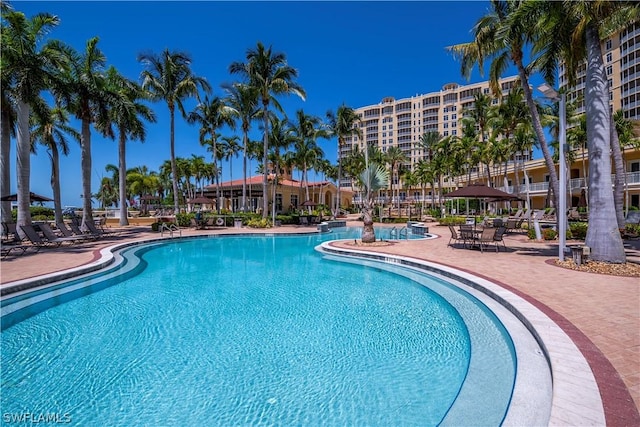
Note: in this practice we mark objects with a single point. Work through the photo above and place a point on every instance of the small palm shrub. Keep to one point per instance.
(259, 223)
(578, 230)
(184, 219)
(549, 234)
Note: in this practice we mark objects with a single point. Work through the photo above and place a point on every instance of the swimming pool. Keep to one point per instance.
(256, 330)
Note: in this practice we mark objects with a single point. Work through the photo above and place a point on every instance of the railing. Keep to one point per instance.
(170, 228)
(404, 232)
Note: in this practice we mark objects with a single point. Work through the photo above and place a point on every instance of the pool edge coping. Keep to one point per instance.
(562, 353)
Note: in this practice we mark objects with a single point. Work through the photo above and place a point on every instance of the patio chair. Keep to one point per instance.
(512, 224)
(455, 237)
(486, 238)
(467, 234)
(498, 237)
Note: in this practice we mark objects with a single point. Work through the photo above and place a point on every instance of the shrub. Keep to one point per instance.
(41, 212)
(184, 219)
(531, 233)
(155, 226)
(549, 234)
(452, 220)
(259, 223)
(578, 230)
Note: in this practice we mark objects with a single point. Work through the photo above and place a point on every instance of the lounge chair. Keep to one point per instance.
(35, 238)
(93, 230)
(78, 232)
(6, 249)
(68, 233)
(50, 235)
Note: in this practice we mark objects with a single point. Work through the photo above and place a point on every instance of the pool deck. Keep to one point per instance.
(601, 314)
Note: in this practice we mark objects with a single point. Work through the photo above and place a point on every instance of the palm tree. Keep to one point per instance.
(87, 95)
(269, 73)
(198, 168)
(7, 130)
(212, 114)
(577, 27)
(394, 157)
(343, 124)
(372, 179)
(501, 37)
(230, 149)
(480, 115)
(126, 114)
(169, 78)
(281, 137)
(50, 130)
(307, 129)
(28, 68)
(627, 138)
(242, 101)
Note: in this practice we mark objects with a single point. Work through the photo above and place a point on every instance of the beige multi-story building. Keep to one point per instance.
(621, 56)
(402, 122)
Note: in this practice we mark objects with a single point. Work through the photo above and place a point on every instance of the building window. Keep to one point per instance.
(608, 45)
(445, 133)
(609, 57)
(486, 91)
(294, 200)
(634, 166)
(454, 132)
(609, 70)
(279, 202)
(454, 117)
(446, 117)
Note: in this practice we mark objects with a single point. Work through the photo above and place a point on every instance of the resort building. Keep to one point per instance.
(401, 123)
(621, 56)
(290, 194)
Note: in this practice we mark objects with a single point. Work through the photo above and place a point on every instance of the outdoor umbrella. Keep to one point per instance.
(309, 203)
(481, 191)
(32, 196)
(201, 201)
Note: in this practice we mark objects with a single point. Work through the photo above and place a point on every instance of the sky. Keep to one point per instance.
(354, 53)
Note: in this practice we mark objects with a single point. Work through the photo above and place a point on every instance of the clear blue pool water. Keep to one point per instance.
(257, 331)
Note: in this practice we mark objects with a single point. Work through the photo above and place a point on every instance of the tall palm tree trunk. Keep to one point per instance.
(619, 181)
(85, 162)
(602, 235)
(244, 174)
(122, 179)
(337, 211)
(23, 165)
(55, 183)
(265, 153)
(5, 166)
(174, 165)
(537, 127)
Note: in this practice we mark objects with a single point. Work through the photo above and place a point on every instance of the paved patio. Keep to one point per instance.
(600, 313)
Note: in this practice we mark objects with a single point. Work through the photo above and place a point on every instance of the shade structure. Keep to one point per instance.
(201, 201)
(33, 197)
(309, 203)
(481, 191)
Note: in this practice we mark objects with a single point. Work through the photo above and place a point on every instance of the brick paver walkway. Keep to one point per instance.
(600, 313)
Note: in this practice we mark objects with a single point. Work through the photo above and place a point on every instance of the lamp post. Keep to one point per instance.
(561, 214)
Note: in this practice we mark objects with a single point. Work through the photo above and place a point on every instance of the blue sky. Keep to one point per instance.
(345, 52)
